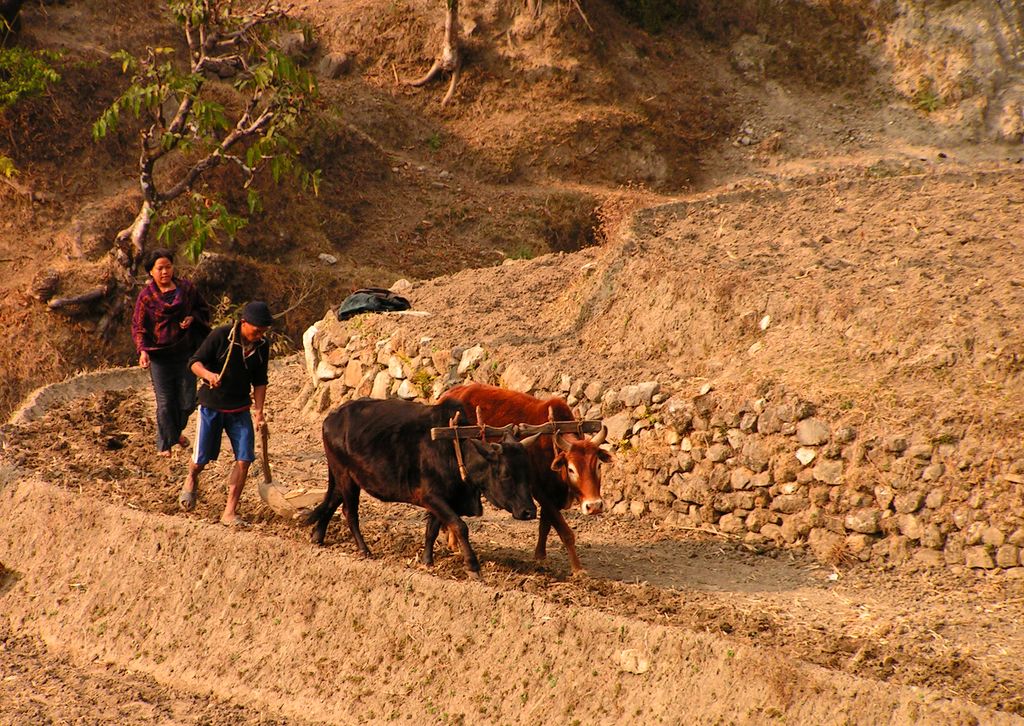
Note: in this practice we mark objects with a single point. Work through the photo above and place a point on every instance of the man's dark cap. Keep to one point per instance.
(257, 313)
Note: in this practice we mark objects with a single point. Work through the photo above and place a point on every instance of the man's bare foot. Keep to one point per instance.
(234, 521)
(166, 454)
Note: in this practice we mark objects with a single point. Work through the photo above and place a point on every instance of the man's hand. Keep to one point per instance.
(212, 379)
(186, 322)
(143, 359)
(257, 418)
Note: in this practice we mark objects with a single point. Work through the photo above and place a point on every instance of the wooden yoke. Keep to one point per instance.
(590, 426)
(453, 424)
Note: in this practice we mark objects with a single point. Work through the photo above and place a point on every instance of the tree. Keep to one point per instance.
(179, 118)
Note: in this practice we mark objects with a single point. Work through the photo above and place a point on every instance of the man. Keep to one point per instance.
(230, 362)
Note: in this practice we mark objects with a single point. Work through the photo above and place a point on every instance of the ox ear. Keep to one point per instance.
(559, 461)
(604, 456)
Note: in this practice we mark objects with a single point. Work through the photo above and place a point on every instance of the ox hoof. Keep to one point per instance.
(475, 576)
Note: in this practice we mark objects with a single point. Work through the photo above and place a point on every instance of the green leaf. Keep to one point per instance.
(254, 201)
(7, 168)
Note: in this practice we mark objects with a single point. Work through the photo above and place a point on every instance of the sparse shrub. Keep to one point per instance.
(926, 98)
(25, 73)
(521, 251)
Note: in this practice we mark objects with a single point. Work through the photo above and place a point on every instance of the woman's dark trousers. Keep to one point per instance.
(174, 387)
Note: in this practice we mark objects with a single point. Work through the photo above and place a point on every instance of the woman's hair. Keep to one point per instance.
(155, 255)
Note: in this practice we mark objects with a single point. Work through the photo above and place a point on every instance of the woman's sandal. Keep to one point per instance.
(187, 500)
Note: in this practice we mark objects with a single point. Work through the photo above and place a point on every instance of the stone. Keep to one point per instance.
(740, 478)
(325, 372)
(516, 379)
(442, 360)
(978, 558)
(719, 452)
(858, 544)
(794, 527)
(935, 499)
(789, 503)
(993, 536)
(1016, 537)
(353, 373)
(865, 521)
(338, 357)
(825, 545)
(896, 445)
(365, 384)
(671, 437)
(327, 259)
(757, 519)
(805, 455)
(593, 391)
(844, 434)
(408, 390)
(1007, 555)
(910, 526)
(884, 495)
(731, 524)
(761, 479)
(908, 502)
(639, 394)
(756, 455)
(769, 422)
(974, 532)
(310, 352)
(334, 65)
(471, 358)
(618, 425)
(812, 432)
(772, 532)
(381, 385)
(395, 368)
(638, 508)
(920, 451)
(932, 537)
(830, 472)
(933, 472)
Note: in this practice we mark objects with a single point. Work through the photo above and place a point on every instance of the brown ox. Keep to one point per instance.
(559, 480)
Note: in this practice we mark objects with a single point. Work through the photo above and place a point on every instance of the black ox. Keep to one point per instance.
(384, 447)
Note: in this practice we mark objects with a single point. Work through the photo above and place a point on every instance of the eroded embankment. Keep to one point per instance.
(318, 635)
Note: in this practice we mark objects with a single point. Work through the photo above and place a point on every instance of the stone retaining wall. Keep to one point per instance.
(773, 470)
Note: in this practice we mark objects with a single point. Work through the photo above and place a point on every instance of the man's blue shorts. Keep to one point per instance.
(209, 426)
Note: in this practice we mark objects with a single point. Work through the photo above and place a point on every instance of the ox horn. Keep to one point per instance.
(530, 439)
(600, 436)
(561, 443)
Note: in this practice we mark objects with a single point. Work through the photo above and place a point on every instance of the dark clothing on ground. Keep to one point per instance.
(174, 387)
(156, 322)
(246, 368)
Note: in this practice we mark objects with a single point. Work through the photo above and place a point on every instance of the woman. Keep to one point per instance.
(169, 322)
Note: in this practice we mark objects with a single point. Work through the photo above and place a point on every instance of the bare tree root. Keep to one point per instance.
(450, 60)
(87, 297)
